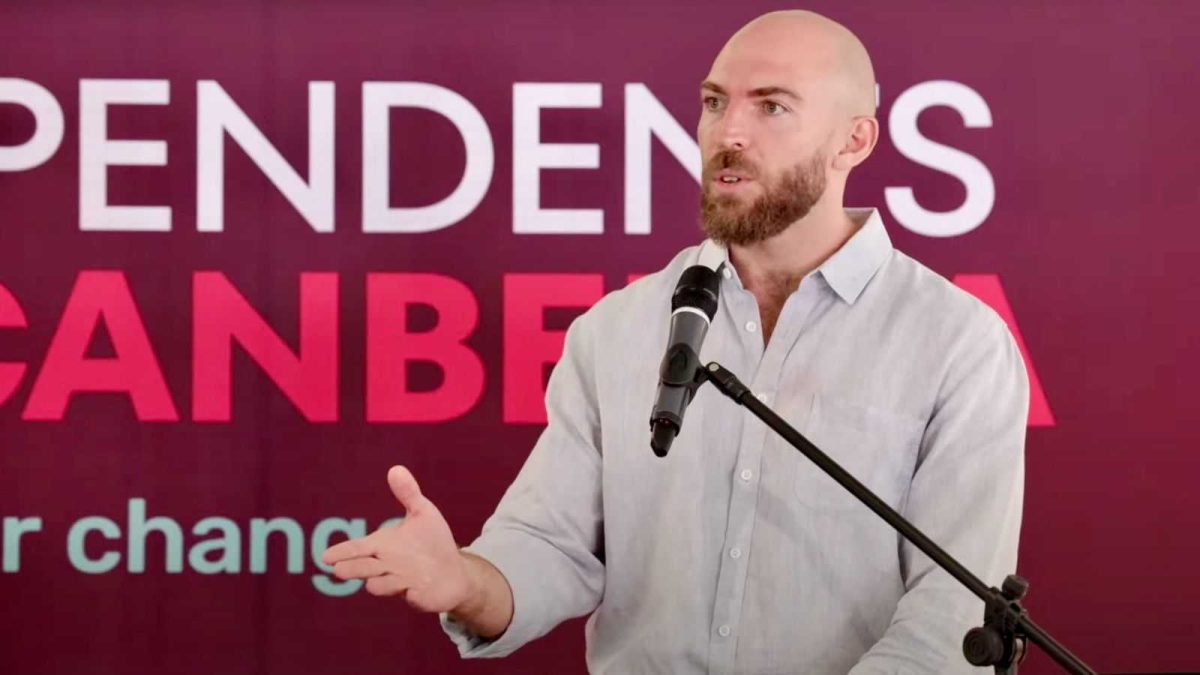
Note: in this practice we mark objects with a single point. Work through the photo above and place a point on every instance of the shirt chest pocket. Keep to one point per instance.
(877, 446)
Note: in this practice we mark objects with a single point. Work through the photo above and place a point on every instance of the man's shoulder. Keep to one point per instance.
(644, 297)
(918, 293)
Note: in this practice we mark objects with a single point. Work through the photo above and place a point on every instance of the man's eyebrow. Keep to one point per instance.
(773, 91)
(761, 92)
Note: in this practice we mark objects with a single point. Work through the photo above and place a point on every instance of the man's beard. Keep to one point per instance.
(783, 202)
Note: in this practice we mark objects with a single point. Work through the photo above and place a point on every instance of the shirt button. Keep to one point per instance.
(735, 553)
(726, 273)
(724, 631)
(747, 474)
(751, 326)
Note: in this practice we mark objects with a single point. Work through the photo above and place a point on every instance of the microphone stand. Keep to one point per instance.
(1001, 641)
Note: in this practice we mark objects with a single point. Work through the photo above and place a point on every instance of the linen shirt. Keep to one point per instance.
(734, 553)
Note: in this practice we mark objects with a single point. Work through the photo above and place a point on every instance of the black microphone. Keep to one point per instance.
(693, 306)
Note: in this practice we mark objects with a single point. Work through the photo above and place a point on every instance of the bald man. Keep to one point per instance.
(734, 554)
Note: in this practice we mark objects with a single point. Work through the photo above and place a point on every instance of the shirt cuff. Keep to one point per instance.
(469, 644)
(472, 646)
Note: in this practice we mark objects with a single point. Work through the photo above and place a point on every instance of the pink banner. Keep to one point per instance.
(253, 254)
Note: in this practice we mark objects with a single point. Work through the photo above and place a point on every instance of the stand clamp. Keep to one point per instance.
(1000, 642)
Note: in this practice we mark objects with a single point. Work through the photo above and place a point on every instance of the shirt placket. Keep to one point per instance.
(767, 367)
(742, 313)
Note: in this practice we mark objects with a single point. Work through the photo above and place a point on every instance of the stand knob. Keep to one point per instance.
(1015, 587)
(983, 647)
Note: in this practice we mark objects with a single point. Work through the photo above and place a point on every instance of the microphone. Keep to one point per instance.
(693, 306)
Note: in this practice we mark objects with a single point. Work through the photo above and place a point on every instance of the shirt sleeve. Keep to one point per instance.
(547, 532)
(966, 495)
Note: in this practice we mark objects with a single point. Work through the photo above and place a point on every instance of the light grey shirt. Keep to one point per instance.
(735, 554)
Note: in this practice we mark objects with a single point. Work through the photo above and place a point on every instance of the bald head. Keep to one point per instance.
(820, 52)
(787, 112)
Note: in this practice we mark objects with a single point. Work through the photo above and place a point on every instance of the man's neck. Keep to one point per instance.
(772, 269)
(783, 260)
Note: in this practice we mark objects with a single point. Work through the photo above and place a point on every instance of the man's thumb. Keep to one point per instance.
(405, 487)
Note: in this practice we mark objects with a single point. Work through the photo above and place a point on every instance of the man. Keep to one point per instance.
(734, 554)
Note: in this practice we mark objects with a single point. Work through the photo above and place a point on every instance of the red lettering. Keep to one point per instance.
(100, 295)
(391, 347)
(528, 347)
(222, 316)
(11, 316)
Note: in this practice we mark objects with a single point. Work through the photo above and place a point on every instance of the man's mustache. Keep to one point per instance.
(728, 159)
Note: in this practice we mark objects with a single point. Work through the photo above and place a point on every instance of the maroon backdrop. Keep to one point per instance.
(119, 380)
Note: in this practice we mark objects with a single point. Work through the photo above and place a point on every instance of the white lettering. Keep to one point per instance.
(97, 153)
(530, 156)
(217, 114)
(48, 124)
(902, 126)
(378, 215)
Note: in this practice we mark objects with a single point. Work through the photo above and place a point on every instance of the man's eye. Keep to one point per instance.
(712, 102)
(772, 108)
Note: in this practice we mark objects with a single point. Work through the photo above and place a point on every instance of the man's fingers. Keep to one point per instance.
(360, 568)
(405, 488)
(355, 548)
(388, 584)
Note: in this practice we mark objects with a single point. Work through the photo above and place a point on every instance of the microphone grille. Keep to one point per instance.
(698, 287)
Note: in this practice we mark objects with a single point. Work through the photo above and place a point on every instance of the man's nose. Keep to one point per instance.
(734, 134)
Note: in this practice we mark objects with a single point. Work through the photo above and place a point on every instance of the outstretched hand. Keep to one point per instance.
(416, 558)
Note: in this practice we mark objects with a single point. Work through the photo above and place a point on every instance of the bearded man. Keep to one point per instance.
(734, 554)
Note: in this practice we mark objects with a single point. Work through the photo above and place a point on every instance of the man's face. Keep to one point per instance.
(764, 133)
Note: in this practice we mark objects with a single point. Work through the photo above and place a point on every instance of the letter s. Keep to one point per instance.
(981, 190)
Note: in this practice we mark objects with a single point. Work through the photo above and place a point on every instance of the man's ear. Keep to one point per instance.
(864, 133)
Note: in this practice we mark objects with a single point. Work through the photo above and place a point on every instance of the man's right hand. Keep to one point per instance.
(418, 559)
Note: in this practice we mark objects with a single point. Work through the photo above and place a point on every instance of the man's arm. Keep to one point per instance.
(966, 495)
(487, 611)
(537, 561)
(546, 536)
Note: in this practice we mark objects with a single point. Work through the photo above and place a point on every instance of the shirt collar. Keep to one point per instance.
(847, 271)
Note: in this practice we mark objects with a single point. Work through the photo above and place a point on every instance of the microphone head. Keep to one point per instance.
(661, 437)
(698, 288)
(693, 306)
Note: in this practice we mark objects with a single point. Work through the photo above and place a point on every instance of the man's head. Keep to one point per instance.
(788, 109)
